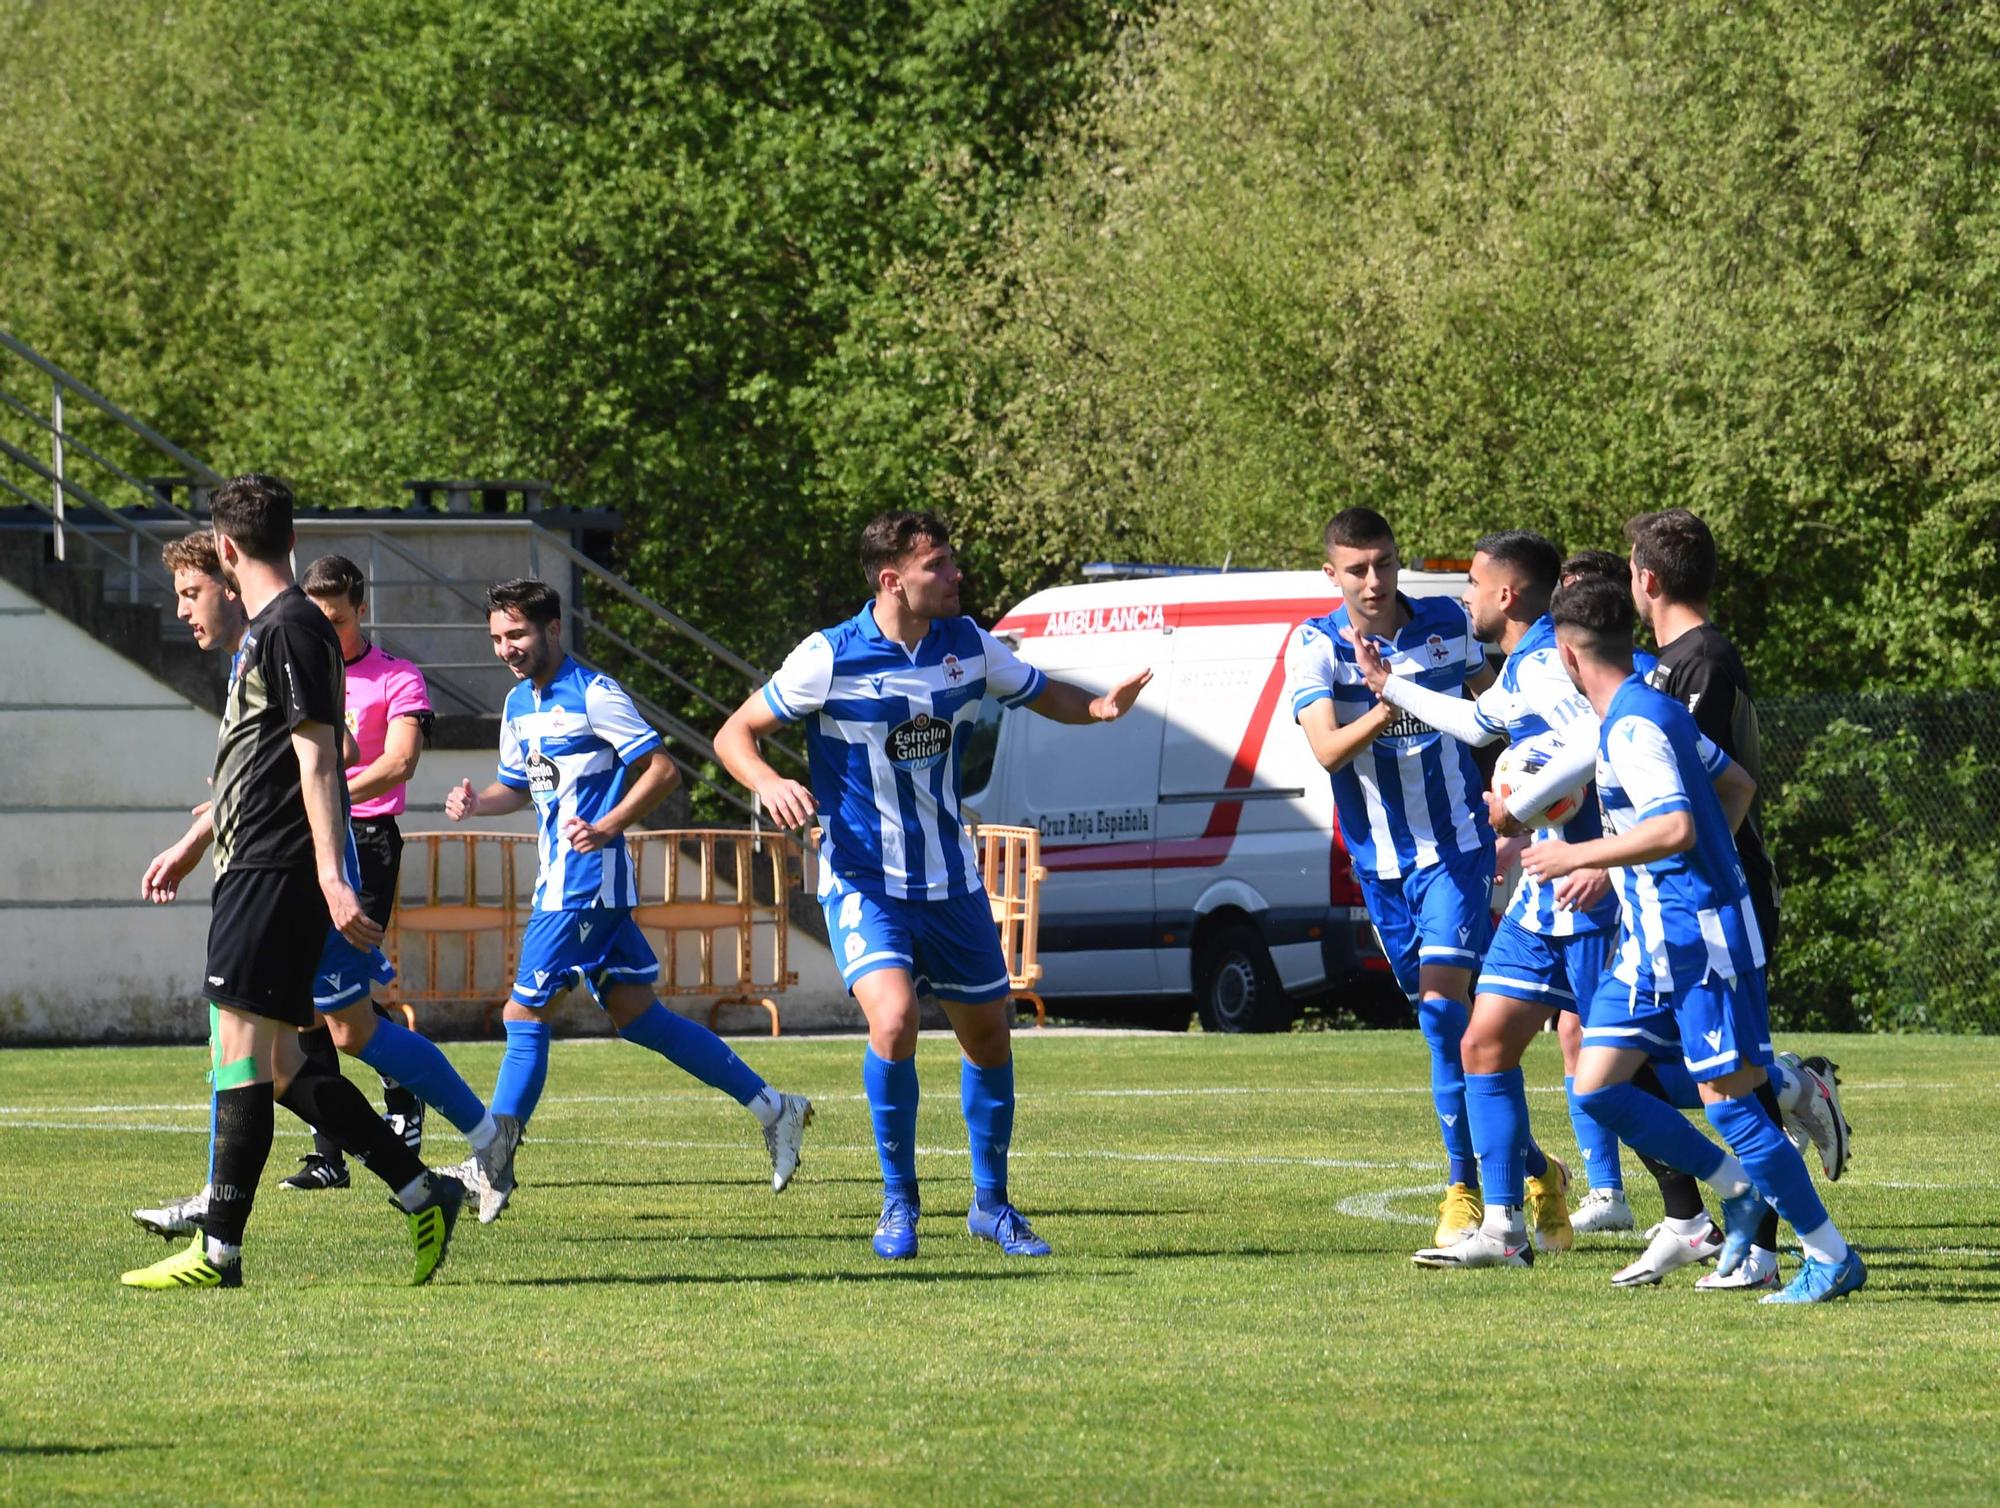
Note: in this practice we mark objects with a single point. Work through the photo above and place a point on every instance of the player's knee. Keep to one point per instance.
(1442, 1018)
(1602, 1102)
(350, 1029)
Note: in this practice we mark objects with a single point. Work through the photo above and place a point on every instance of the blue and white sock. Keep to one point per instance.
(1775, 1167)
(415, 1062)
(1650, 1125)
(892, 1105)
(1443, 1023)
(986, 1095)
(523, 1070)
(1599, 1146)
(694, 1049)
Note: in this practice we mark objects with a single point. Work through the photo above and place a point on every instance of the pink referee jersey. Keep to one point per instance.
(381, 688)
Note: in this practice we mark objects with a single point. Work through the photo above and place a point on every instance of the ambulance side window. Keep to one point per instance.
(975, 768)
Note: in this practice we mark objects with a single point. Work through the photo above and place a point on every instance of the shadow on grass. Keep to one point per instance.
(703, 1280)
(8, 1449)
(724, 1237)
(676, 1183)
(1175, 1254)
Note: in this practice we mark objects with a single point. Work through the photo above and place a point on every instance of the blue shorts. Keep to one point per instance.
(347, 973)
(950, 948)
(1554, 971)
(598, 946)
(1714, 1027)
(1441, 914)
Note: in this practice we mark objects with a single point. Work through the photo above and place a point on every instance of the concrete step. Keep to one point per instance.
(91, 758)
(89, 856)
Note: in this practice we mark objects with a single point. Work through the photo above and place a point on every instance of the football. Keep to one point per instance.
(1520, 763)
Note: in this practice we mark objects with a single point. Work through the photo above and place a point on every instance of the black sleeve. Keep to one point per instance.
(1707, 690)
(307, 683)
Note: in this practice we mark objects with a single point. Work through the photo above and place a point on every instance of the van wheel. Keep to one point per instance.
(1236, 987)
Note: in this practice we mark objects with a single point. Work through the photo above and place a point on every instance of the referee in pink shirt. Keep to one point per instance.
(389, 716)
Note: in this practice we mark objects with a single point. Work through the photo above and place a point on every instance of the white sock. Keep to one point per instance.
(414, 1193)
(481, 1136)
(767, 1107)
(1504, 1220)
(1824, 1244)
(222, 1254)
(1730, 1179)
(1791, 1087)
(1687, 1227)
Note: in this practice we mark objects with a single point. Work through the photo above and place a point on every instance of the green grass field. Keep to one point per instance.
(1231, 1314)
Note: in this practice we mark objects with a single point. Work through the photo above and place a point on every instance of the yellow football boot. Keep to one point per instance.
(1459, 1214)
(1548, 1208)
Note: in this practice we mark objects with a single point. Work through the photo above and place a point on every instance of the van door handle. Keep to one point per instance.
(1261, 793)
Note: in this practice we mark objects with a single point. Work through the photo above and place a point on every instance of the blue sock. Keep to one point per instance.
(415, 1062)
(1652, 1126)
(694, 1049)
(1772, 1162)
(1678, 1083)
(1533, 1158)
(1496, 1105)
(1443, 1022)
(892, 1105)
(523, 1070)
(987, 1097)
(1601, 1164)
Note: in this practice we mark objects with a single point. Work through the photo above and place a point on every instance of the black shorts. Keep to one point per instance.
(379, 842)
(265, 936)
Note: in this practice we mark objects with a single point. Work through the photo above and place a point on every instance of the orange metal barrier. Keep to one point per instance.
(463, 929)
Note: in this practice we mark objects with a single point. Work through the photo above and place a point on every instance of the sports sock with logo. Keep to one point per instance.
(1496, 1105)
(1772, 1163)
(1680, 1195)
(1443, 1021)
(523, 1070)
(242, 1145)
(328, 1101)
(694, 1049)
(891, 1084)
(1653, 1128)
(986, 1095)
(1766, 1238)
(1601, 1165)
(396, 1052)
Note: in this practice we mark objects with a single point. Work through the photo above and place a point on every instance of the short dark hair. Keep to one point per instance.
(1676, 547)
(1604, 563)
(1351, 528)
(335, 576)
(889, 538)
(192, 552)
(1600, 611)
(1532, 556)
(255, 511)
(537, 601)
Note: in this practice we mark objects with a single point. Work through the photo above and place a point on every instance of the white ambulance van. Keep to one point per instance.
(1191, 847)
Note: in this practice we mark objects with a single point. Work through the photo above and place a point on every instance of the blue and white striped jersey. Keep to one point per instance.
(1532, 695)
(1687, 916)
(1412, 798)
(568, 746)
(885, 731)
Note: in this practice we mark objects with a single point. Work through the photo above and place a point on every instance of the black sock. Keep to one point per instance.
(318, 1047)
(1680, 1192)
(242, 1144)
(335, 1106)
(1767, 1229)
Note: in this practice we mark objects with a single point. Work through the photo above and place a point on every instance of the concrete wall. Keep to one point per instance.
(99, 764)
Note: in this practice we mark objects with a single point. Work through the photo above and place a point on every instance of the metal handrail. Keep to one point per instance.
(109, 409)
(97, 507)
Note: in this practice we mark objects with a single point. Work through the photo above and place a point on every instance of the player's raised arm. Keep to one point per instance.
(1467, 721)
(1062, 702)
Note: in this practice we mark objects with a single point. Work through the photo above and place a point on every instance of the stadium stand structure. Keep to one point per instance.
(107, 707)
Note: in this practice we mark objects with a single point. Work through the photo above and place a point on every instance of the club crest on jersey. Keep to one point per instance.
(1439, 651)
(953, 671)
(920, 742)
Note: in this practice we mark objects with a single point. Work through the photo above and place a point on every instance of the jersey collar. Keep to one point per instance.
(872, 632)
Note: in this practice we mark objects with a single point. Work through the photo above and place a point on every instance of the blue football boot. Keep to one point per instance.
(896, 1231)
(1004, 1227)
(1819, 1281)
(1740, 1218)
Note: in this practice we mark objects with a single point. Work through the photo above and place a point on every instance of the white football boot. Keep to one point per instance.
(1667, 1252)
(1601, 1212)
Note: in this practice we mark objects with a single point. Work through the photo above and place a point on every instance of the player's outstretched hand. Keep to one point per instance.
(1368, 659)
(349, 920)
(162, 880)
(1551, 860)
(461, 801)
(1118, 701)
(1581, 889)
(585, 837)
(789, 803)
